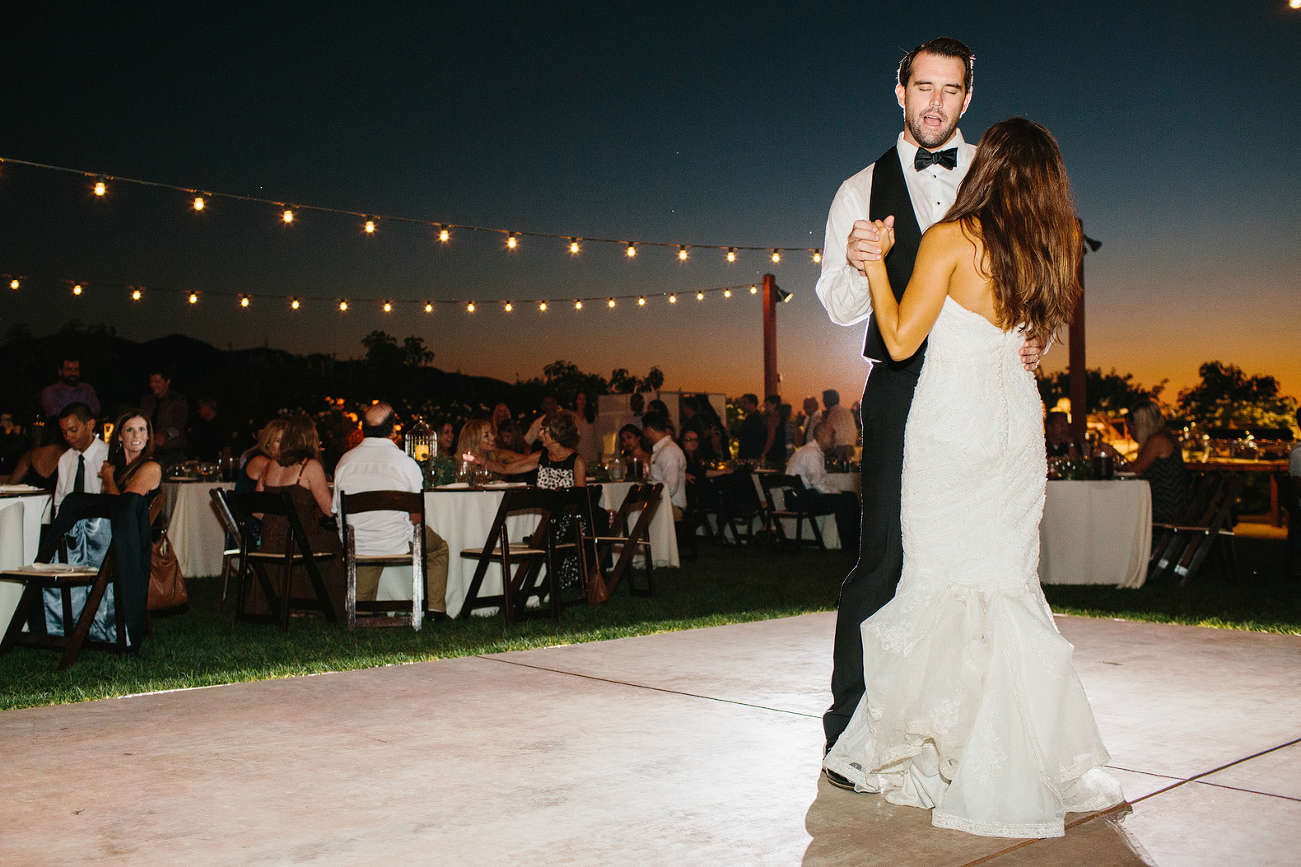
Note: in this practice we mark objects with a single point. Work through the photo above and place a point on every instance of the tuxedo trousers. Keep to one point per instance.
(887, 398)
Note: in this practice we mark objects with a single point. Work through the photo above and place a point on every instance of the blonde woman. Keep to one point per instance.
(1160, 459)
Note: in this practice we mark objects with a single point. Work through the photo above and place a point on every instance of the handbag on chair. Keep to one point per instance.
(166, 583)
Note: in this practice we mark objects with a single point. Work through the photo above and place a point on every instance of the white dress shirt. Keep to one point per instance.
(96, 453)
(810, 464)
(842, 419)
(842, 288)
(669, 465)
(377, 464)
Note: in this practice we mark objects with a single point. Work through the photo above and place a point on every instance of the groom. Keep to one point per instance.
(912, 186)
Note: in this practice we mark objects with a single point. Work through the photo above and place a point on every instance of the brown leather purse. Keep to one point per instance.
(166, 583)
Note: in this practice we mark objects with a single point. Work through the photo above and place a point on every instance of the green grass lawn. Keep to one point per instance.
(199, 647)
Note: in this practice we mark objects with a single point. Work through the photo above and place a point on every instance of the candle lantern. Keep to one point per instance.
(421, 441)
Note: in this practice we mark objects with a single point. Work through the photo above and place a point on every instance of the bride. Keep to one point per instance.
(973, 709)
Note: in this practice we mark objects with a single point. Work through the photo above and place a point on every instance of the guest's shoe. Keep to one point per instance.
(840, 782)
(436, 616)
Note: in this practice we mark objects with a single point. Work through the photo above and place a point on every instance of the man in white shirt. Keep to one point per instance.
(911, 187)
(822, 497)
(79, 465)
(668, 462)
(377, 464)
(843, 421)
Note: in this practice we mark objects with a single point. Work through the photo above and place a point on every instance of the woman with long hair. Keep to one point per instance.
(972, 707)
(130, 468)
(479, 438)
(258, 458)
(1160, 459)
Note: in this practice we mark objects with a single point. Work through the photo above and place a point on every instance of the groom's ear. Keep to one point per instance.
(966, 102)
(899, 91)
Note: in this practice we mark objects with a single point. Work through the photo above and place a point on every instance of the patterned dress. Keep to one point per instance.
(555, 475)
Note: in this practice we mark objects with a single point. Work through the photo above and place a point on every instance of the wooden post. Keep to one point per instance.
(771, 384)
(1075, 368)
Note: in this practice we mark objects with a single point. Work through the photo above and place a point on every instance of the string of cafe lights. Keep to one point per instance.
(193, 298)
(289, 213)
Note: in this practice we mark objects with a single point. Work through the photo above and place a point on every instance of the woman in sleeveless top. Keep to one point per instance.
(298, 472)
(1160, 460)
(39, 467)
(973, 709)
(130, 468)
(260, 456)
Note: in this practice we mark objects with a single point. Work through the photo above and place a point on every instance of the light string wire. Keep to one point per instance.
(137, 293)
(730, 249)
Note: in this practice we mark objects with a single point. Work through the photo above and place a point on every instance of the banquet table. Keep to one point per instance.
(196, 533)
(1096, 533)
(21, 515)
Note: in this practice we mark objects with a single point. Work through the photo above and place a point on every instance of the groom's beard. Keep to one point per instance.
(927, 137)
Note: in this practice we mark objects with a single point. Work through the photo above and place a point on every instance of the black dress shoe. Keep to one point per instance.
(840, 782)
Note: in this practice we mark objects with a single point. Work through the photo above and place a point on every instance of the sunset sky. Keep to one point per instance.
(697, 124)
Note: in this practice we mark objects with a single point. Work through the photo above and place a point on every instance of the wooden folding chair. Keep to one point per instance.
(298, 553)
(380, 613)
(1289, 498)
(739, 506)
(630, 539)
(794, 506)
(229, 556)
(1203, 521)
(525, 579)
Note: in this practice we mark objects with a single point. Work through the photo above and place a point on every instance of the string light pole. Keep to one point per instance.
(772, 295)
(1079, 391)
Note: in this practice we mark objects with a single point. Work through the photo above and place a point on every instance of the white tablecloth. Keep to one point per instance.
(663, 538)
(1096, 533)
(20, 539)
(195, 530)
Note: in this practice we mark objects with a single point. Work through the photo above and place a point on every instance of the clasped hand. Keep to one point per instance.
(869, 241)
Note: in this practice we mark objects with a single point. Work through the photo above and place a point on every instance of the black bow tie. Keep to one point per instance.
(946, 158)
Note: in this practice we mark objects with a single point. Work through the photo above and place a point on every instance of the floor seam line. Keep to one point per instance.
(652, 688)
(1198, 777)
(1248, 791)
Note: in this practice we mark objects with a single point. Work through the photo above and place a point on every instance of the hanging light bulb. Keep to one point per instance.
(429, 308)
(573, 245)
(388, 307)
(243, 301)
(700, 296)
(135, 294)
(469, 308)
(817, 256)
(632, 251)
(13, 284)
(609, 303)
(287, 216)
(100, 186)
(509, 307)
(370, 227)
(754, 289)
(443, 234)
(293, 303)
(776, 257)
(198, 203)
(543, 307)
(194, 297)
(731, 254)
(578, 305)
(511, 242)
(727, 293)
(641, 302)
(76, 290)
(343, 304)
(682, 253)
(673, 299)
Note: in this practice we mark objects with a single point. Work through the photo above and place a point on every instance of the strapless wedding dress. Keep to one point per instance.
(973, 709)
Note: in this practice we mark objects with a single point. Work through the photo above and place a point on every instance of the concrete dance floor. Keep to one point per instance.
(684, 748)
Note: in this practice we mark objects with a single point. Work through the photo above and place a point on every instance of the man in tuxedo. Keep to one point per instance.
(911, 187)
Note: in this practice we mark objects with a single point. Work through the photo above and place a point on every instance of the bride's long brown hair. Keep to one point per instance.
(1016, 200)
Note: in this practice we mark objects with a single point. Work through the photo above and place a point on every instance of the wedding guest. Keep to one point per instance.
(209, 437)
(67, 389)
(38, 467)
(550, 410)
(79, 466)
(559, 464)
(774, 445)
(812, 417)
(510, 437)
(1057, 436)
(715, 443)
(636, 409)
(168, 412)
(754, 429)
(130, 467)
(297, 471)
(253, 463)
(821, 497)
(697, 470)
(479, 439)
(1160, 459)
(500, 413)
(377, 464)
(667, 464)
(447, 439)
(632, 444)
(843, 421)
(589, 441)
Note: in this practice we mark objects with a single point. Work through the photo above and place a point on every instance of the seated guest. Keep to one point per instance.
(479, 439)
(589, 441)
(447, 439)
(79, 466)
(1057, 436)
(821, 497)
(38, 467)
(130, 467)
(254, 462)
(633, 444)
(1160, 459)
(697, 471)
(168, 414)
(667, 464)
(377, 464)
(500, 413)
(550, 409)
(297, 471)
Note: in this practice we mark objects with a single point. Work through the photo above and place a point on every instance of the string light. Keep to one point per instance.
(700, 296)
(509, 307)
(641, 302)
(632, 251)
(429, 308)
(469, 308)
(578, 305)
(682, 253)
(370, 227)
(13, 284)
(100, 187)
(293, 303)
(198, 203)
(731, 254)
(511, 242)
(754, 289)
(776, 257)
(817, 257)
(343, 304)
(76, 290)
(243, 301)
(287, 216)
(388, 307)
(194, 297)
(135, 294)
(573, 245)
(608, 303)
(727, 293)
(443, 234)
(673, 299)
(543, 306)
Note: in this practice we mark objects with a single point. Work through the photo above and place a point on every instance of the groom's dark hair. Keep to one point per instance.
(944, 46)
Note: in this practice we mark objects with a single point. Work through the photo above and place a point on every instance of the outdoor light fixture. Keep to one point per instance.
(469, 308)
(194, 297)
(287, 216)
(509, 307)
(727, 293)
(343, 304)
(429, 308)
(243, 301)
(632, 251)
(682, 253)
(673, 299)
(443, 234)
(135, 294)
(511, 242)
(700, 296)
(731, 254)
(782, 295)
(293, 303)
(76, 290)
(754, 290)
(100, 186)
(543, 306)
(817, 256)
(609, 303)
(641, 302)
(370, 227)
(573, 245)
(578, 305)
(13, 284)
(388, 307)
(776, 257)
(198, 203)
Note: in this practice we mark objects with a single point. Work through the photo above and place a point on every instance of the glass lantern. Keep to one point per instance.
(421, 441)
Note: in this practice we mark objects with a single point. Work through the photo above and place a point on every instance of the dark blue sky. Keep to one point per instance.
(698, 123)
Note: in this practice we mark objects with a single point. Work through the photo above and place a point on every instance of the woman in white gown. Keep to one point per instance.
(972, 708)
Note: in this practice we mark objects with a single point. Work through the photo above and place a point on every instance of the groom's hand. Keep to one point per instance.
(864, 244)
